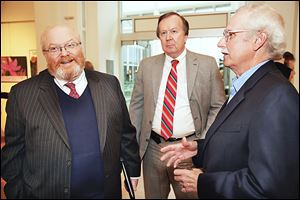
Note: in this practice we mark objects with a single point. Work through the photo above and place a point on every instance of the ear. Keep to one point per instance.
(260, 40)
(185, 38)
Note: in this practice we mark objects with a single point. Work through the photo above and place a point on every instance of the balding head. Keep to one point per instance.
(57, 34)
(62, 49)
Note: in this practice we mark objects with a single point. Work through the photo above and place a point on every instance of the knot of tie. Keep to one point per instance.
(174, 63)
(73, 92)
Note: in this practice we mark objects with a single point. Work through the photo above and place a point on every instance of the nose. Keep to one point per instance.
(221, 43)
(169, 36)
(64, 51)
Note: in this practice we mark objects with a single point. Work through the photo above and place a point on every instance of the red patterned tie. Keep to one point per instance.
(169, 103)
(73, 92)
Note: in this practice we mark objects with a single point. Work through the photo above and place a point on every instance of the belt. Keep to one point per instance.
(157, 138)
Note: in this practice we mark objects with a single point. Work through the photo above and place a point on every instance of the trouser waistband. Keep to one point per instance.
(157, 138)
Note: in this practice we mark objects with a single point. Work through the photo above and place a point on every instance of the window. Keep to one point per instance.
(146, 8)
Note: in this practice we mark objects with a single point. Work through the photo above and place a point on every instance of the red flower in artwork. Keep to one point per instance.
(9, 66)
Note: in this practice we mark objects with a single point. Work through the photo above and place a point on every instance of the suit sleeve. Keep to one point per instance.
(217, 94)
(197, 158)
(129, 145)
(136, 107)
(12, 154)
(273, 162)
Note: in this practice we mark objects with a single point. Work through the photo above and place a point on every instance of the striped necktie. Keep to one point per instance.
(169, 103)
(73, 92)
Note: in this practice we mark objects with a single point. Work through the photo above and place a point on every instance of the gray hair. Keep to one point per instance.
(262, 17)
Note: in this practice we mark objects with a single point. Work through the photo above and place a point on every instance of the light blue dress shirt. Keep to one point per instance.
(238, 82)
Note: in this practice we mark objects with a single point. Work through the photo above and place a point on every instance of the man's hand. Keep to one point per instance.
(188, 179)
(178, 152)
(134, 183)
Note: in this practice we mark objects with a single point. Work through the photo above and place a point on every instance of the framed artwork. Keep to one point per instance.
(13, 68)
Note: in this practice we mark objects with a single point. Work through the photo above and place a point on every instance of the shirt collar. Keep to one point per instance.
(238, 82)
(78, 81)
(179, 58)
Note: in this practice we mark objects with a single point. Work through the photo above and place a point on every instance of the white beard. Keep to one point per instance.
(61, 74)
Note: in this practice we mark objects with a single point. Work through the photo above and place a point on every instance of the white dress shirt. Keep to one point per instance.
(80, 84)
(183, 124)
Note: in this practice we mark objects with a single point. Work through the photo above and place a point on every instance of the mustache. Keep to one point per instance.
(66, 59)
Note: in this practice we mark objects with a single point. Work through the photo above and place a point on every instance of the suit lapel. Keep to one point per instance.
(157, 71)
(98, 96)
(223, 114)
(226, 110)
(49, 101)
(191, 71)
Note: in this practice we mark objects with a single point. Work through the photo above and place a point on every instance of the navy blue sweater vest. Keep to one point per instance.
(87, 177)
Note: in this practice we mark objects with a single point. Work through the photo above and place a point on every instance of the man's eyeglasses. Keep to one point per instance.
(227, 34)
(57, 49)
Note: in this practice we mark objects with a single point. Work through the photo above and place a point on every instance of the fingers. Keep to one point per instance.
(185, 186)
(168, 148)
(180, 172)
(167, 155)
(180, 158)
(187, 180)
(169, 151)
(188, 189)
(174, 157)
(184, 142)
(173, 160)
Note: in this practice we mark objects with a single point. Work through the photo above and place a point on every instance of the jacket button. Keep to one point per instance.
(150, 122)
(68, 163)
(147, 140)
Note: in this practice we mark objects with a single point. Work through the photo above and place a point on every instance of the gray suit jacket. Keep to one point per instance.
(36, 160)
(205, 93)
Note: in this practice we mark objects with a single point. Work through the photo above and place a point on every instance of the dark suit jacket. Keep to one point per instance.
(252, 148)
(36, 160)
(285, 70)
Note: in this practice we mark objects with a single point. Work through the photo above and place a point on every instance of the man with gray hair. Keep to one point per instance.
(252, 148)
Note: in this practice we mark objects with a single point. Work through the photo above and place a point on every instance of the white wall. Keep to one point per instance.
(91, 34)
(102, 34)
(109, 36)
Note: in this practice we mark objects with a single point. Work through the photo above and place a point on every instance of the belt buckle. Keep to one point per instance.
(173, 139)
